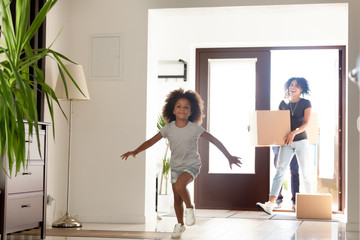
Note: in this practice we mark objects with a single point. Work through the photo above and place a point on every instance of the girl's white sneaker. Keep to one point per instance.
(266, 207)
(178, 230)
(190, 216)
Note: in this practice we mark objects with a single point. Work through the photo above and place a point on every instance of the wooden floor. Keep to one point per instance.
(210, 225)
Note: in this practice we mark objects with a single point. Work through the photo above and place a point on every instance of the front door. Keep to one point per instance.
(236, 83)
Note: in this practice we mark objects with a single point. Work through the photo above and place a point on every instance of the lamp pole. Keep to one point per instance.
(67, 221)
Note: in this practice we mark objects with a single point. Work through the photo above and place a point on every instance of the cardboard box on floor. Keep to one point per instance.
(313, 206)
(271, 127)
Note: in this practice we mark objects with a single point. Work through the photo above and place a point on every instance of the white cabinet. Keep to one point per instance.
(23, 198)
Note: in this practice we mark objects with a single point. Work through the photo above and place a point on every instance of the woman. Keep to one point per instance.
(296, 142)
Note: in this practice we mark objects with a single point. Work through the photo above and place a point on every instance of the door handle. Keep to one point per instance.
(25, 206)
(353, 74)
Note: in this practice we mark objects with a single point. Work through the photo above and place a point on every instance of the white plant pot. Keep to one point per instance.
(164, 203)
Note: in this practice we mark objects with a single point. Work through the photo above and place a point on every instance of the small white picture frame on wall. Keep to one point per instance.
(106, 57)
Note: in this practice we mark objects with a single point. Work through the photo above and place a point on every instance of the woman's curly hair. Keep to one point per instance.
(196, 104)
(302, 82)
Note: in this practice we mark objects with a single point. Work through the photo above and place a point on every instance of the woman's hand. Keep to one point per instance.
(289, 138)
(126, 155)
(234, 160)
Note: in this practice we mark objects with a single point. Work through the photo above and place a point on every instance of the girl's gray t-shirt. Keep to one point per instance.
(183, 145)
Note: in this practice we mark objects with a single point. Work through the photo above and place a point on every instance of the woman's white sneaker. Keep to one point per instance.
(178, 230)
(190, 216)
(266, 207)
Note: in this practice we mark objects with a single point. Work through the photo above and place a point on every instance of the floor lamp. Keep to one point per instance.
(77, 72)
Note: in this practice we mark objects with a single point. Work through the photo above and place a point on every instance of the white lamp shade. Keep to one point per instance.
(77, 72)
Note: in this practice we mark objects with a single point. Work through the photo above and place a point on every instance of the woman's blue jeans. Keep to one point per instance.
(294, 172)
(286, 153)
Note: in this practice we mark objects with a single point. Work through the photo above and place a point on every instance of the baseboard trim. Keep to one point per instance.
(353, 227)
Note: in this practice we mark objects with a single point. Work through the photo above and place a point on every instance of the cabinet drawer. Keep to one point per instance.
(27, 181)
(24, 209)
(32, 145)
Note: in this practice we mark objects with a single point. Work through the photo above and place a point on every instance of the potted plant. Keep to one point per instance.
(164, 200)
(18, 72)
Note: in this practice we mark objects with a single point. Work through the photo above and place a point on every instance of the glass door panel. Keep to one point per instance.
(231, 99)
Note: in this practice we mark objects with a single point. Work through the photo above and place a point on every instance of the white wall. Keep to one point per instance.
(104, 188)
(57, 154)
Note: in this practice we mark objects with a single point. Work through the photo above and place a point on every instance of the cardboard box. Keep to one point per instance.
(313, 206)
(312, 129)
(269, 127)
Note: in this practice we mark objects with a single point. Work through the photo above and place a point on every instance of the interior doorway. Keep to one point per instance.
(322, 66)
(176, 34)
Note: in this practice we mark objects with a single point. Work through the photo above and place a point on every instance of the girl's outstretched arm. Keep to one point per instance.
(232, 159)
(143, 146)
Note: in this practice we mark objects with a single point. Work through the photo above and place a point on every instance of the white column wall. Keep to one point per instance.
(57, 149)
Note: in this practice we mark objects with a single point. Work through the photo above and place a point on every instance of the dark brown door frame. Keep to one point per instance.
(342, 104)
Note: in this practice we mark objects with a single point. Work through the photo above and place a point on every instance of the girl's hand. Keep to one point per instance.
(234, 160)
(289, 138)
(126, 155)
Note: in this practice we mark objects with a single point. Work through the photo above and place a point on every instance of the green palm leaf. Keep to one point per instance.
(18, 72)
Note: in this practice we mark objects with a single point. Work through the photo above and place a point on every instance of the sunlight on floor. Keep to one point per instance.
(223, 225)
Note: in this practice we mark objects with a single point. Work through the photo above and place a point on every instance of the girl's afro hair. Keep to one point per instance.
(302, 82)
(196, 104)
